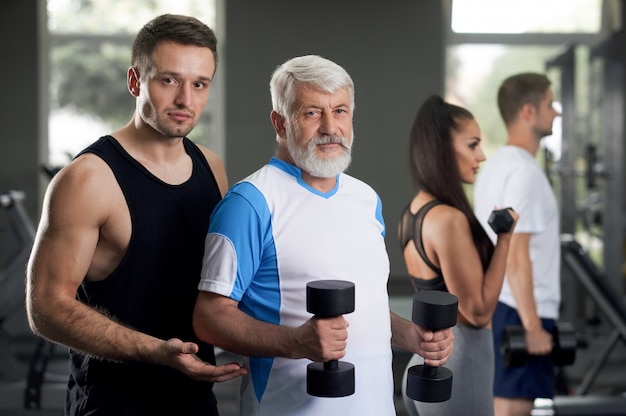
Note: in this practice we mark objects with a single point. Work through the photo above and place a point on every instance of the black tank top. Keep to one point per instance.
(152, 290)
(411, 230)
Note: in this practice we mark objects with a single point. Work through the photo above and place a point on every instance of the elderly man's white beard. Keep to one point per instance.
(320, 167)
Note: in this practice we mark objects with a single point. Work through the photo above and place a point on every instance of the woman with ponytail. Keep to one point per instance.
(445, 248)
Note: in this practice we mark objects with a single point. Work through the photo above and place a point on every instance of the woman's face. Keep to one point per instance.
(469, 154)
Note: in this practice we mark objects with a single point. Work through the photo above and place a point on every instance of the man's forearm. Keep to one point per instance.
(80, 327)
(521, 282)
(223, 324)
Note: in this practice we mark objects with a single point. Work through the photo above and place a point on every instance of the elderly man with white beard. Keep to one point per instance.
(299, 219)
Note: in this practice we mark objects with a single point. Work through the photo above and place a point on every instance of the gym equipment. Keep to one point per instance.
(580, 406)
(16, 239)
(500, 220)
(37, 387)
(605, 297)
(328, 298)
(608, 133)
(513, 347)
(434, 310)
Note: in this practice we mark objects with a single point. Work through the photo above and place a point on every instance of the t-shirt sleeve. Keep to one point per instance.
(234, 242)
(520, 193)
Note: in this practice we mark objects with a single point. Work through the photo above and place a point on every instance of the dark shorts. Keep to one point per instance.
(536, 378)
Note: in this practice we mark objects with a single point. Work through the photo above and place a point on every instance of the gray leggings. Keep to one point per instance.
(472, 366)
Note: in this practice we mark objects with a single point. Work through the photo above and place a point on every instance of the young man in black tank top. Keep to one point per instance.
(114, 269)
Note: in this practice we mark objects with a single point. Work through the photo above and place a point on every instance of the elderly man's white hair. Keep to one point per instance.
(309, 69)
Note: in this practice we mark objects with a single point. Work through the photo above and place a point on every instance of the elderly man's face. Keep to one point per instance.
(319, 135)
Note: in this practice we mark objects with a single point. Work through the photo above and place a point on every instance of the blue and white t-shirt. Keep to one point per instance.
(269, 237)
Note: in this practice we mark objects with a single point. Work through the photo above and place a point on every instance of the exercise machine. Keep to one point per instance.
(605, 297)
(24, 357)
(17, 235)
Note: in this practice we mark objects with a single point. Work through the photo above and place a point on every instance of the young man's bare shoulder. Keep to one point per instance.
(85, 168)
(210, 155)
(87, 177)
(217, 167)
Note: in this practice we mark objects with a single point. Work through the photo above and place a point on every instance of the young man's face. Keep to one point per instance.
(545, 115)
(174, 92)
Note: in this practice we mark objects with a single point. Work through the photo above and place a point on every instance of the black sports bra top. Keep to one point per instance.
(411, 230)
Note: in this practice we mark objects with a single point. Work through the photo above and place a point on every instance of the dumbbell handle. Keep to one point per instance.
(331, 365)
(429, 371)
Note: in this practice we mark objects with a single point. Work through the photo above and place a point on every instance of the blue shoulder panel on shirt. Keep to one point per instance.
(243, 217)
(379, 213)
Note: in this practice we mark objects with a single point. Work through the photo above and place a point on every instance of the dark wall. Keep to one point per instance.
(393, 51)
(19, 104)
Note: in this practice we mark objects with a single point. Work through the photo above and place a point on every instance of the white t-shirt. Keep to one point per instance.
(513, 178)
(269, 237)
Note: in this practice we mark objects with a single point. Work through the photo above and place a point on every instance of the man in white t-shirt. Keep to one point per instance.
(531, 291)
(298, 219)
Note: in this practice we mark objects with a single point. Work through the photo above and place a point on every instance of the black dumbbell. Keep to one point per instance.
(434, 310)
(500, 220)
(513, 347)
(327, 298)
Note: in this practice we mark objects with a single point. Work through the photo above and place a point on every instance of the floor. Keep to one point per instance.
(610, 381)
